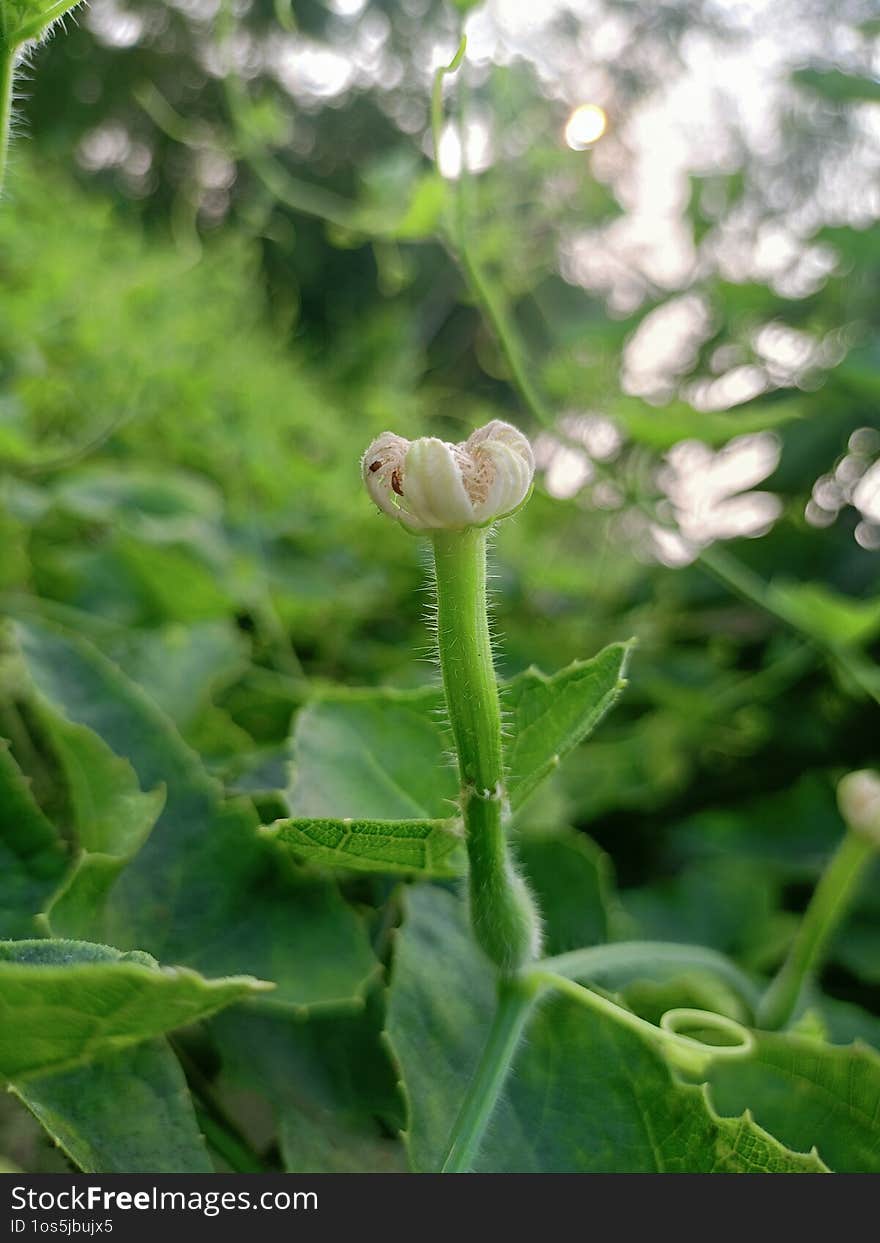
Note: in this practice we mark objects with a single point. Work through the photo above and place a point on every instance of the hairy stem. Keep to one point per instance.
(830, 902)
(515, 999)
(7, 62)
(503, 915)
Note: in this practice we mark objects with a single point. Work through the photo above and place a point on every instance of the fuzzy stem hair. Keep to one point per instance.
(503, 915)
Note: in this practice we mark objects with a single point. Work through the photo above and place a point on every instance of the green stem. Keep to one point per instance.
(686, 1052)
(503, 916)
(477, 279)
(515, 999)
(621, 961)
(830, 902)
(7, 61)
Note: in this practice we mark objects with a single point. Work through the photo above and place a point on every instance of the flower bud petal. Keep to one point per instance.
(507, 434)
(510, 480)
(858, 797)
(382, 468)
(434, 488)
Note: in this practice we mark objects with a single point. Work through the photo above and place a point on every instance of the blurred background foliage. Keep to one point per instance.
(226, 265)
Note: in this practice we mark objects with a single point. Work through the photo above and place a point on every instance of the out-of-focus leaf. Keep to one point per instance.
(329, 1081)
(113, 818)
(126, 1113)
(440, 1007)
(373, 755)
(809, 1093)
(424, 210)
(66, 1002)
(838, 86)
(572, 881)
(427, 847)
(179, 666)
(662, 427)
(726, 903)
(32, 858)
(204, 890)
(827, 615)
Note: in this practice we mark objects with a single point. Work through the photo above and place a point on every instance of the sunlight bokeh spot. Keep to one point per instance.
(585, 126)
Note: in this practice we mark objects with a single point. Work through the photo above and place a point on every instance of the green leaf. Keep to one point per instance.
(67, 1002)
(21, 20)
(179, 666)
(112, 816)
(328, 1079)
(127, 1113)
(573, 883)
(372, 755)
(440, 1006)
(827, 615)
(425, 846)
(728, 903)
(588, 1096)
(547, 717)
(424, 210)
(585, 1094)
(838, 86)
(32, 858)
(810, 1093)
(661, 427)
(384, 755)
(204, 890)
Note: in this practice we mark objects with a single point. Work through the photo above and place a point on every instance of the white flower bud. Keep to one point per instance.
(858, 797)
(430, 485)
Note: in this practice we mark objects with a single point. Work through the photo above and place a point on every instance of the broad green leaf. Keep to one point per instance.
(21, 20)
(126, 1113)
(573, 883)
(179, 666)
(588, 1096)
(428, 847)
(585, 1094)
(809, 1093)
(160, 569)
(150, 501)
(112, 818)
(204, 890)
(32, 858)
(728, 903)
(440, 1005)
(548, 716)
(111, 813)
(66, 1002)
(384, 755)
(372, 755)
(327, 1078)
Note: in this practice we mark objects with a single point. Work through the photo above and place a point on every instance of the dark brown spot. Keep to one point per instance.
(374, 466)
(395, 482)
